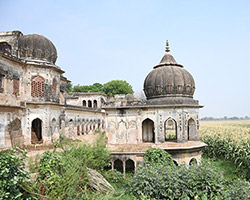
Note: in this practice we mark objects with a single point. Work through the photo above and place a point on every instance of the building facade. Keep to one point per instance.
(35, 109)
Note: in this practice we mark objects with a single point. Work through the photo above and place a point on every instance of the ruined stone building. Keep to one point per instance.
(36, 110)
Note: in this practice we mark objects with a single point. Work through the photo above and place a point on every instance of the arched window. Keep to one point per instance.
(170, 128)
(89, 103)
(37, 86)
(193, 161)
(84, 103)
(53, 126)
(191, 129)
(36, 131)
(5, 47)
(130, 165)
(95, 104)
(148, 134)
(118, 165)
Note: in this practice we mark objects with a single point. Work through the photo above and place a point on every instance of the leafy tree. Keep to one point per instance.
(110, 88)
(68, 87)
(96, 87)
(117, 87)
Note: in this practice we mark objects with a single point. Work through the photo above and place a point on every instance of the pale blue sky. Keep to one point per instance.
(99, 41)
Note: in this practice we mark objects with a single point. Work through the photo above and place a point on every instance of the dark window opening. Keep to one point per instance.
(84, 103)
(130, 165)
(118, 165)
(89, 104)
(95, 104)
(36, 131)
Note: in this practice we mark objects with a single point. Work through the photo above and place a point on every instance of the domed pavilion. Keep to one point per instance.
(168, 119)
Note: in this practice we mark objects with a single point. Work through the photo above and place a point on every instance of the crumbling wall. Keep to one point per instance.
(15, 131)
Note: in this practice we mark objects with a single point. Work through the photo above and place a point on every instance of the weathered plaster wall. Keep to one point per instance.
(125, 126)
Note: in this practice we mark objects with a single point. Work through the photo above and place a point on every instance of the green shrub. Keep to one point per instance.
(172, 182)
(228, 149)
(14, 179)
(157, 156)
(113, 176)
(50, 173)
(63, 175)
(237, 190)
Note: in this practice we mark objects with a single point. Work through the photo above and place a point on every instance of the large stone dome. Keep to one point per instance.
(37, 47)
(169, 79)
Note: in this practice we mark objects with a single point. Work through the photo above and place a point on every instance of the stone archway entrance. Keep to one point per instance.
(148, 134)
(36, 131)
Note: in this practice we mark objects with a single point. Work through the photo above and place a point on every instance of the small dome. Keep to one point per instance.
(169, 79)
(37, 47)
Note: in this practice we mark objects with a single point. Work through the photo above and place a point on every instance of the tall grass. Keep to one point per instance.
(229, 141)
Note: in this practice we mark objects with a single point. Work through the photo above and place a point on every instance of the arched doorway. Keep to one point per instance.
(191, 129)
(148, 134)
(95, 104)
(84, 103)
(170, 129)
(36, 131)
(118, 165)
(89, 104)
(130, 165)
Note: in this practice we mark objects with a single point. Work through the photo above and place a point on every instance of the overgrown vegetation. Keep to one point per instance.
(228, 149)
(14, 179)
(62, 173)
(228, 141)
(166, 181)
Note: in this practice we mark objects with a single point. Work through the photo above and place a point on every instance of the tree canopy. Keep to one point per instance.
(110, 88)
(117, 87)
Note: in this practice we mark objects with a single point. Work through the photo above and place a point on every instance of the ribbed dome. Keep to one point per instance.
(169, 79)
(37, 47)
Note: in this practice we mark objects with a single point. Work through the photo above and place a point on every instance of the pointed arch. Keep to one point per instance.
(89, 103)
(53, 126)
(130, 165)
(95, 104)
(193, 161)
(170, 129)
(191, 129)
(148, 133)
(36, 131)
(118, 165)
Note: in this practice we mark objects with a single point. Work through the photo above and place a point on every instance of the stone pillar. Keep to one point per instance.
(112, 164)
(124, 168)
